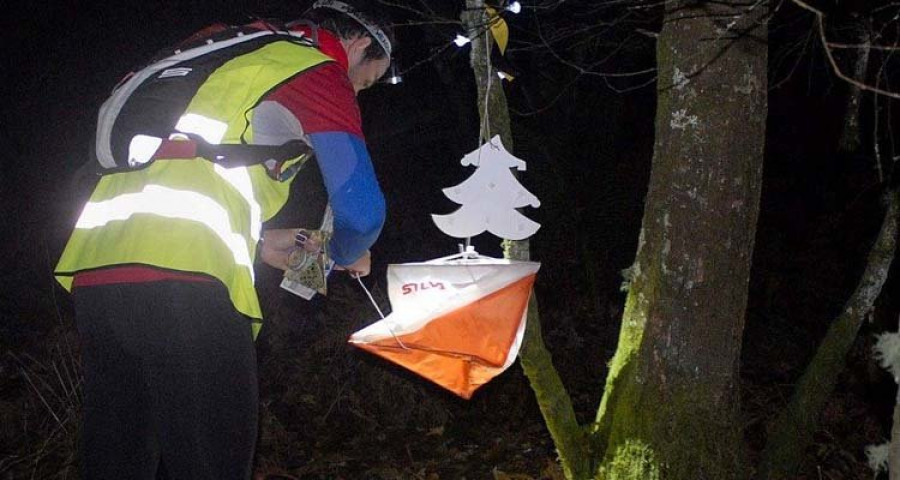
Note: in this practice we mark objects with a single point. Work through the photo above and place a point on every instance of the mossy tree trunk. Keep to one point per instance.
(552, 397)
(670, 408)
(792, 430)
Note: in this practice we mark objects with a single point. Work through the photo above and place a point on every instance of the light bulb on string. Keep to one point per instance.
(461, 40)
(514, 7)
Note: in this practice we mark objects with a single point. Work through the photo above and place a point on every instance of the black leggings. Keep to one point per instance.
(169, 382)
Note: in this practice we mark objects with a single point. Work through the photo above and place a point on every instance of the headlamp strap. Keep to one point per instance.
(374, 31)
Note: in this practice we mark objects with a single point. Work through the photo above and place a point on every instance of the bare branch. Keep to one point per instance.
(549, 104)
(401, 6)
(863, 46)
(581, 70)
(820, 21)
(885, 7)
(802, 46)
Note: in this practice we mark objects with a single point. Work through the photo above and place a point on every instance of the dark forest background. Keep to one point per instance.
(332, 412)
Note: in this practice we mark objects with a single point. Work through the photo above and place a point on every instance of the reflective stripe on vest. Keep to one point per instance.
(169, 203)
(239, 178)
(211, 130)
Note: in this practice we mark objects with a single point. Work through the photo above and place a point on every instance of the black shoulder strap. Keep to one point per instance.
(245, 155)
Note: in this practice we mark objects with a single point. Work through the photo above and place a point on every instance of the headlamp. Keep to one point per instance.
(376, 32)
(393, 76)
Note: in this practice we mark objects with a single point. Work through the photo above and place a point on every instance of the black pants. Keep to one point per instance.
(170, 382)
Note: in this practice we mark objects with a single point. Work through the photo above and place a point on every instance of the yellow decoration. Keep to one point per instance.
(499, 29)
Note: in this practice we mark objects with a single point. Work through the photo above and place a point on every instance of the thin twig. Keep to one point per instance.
(820, 20)
(875, 144)
(867, 45)
(41, 396)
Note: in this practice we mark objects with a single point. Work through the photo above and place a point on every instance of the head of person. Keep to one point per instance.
(365, 34)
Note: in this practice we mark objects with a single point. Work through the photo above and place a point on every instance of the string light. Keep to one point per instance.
(461, 40)
(514, 7)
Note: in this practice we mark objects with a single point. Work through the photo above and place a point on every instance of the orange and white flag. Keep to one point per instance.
(458, 323)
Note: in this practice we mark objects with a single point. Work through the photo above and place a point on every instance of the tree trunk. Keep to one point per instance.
(859, 58)
(670, 408)
(795, 425)
(894, 450)
(553, 400)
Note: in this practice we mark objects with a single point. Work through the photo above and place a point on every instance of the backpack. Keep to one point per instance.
(148, 102)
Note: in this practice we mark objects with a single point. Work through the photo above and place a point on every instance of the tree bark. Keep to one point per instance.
(552, 397)
(670, 408)
(793, 428)
(850, 137)
(894, 450)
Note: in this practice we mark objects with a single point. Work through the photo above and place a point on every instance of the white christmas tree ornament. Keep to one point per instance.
(490, 197)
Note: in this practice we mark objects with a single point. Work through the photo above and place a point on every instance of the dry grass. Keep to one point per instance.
(40, 426)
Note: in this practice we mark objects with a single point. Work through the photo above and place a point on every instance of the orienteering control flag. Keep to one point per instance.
(458, 323)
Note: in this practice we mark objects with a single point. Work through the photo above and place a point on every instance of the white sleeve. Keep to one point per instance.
(273, 124)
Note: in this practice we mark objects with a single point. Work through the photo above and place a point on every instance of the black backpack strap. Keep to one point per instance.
(228, 155)
(245, 155)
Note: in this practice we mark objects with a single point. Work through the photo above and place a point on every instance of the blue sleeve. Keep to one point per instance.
(353, 192)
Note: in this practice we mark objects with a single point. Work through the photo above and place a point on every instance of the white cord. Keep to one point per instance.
(487, 91)
(368, 294)
(374, 304)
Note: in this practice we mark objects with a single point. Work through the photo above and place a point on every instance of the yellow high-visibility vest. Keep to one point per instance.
(193, 215)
